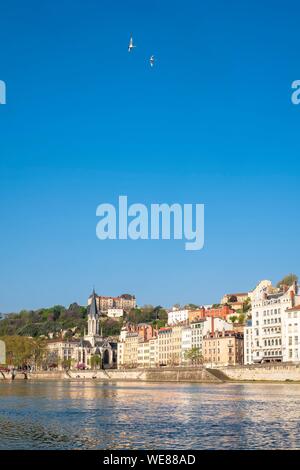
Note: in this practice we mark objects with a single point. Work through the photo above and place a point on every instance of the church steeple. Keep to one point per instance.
(93, 317)
(93, 306)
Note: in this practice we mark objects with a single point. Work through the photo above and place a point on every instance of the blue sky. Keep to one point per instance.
(85, 122)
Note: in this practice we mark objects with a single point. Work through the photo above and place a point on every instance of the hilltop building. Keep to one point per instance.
(186, 316)
(236, 300)
(125, 302)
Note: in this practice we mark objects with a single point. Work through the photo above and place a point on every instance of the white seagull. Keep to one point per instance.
(151, 60)
(130, 46)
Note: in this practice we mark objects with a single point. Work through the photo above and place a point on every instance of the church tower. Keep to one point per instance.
(93, 321)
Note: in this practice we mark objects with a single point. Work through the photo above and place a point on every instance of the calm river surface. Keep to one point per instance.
(90, 415)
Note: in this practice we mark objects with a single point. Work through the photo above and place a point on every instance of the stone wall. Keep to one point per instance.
(260, 372)
(268, 372)
(107, 375)
(179, 375)
(57, 375)
(154, 375)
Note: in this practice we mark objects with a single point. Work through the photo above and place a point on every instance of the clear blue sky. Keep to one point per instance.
(85, 121)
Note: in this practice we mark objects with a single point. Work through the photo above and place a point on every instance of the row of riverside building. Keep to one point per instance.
(270, 334)
(205, 335)
(214, 341)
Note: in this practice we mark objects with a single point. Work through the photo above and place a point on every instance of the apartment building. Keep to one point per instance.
(291, 333)
(267, 337)
(143, 354)
(128, 350)
(59, 351)
(192, 335)
(153, 352)
(176, 317)
(170, 345)
(225, 348)
(248, 339)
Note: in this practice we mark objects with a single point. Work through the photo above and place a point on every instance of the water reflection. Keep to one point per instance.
(91, 415)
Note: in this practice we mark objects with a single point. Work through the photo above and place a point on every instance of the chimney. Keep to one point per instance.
(292, 295)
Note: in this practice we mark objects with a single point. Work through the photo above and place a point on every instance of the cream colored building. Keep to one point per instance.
(133, 351)
(291, 333)
(143, 354)
(192, 335)
(153, 352)
(170, 345)
(224, 348)
(59, 351)
(128, 351)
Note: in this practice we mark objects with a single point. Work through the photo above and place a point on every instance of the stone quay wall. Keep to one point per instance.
(175, 374)
(263, 372)
(148, 375)
(248, 373)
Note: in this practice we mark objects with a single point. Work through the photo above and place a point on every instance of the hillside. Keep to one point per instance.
(56, 319)
(43, 321)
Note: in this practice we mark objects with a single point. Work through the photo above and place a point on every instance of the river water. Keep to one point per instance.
(93, 415)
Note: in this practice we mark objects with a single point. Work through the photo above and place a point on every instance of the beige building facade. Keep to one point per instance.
(224, 348)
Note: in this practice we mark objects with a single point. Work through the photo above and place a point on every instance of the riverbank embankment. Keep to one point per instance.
(248, 373)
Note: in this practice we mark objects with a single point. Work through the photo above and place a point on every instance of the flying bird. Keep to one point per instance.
(151, 60)
(131, 45)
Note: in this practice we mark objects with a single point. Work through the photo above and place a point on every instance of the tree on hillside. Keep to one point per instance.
(288, 280)
(191, 306)
(43, 321)
(111, 326)
(241, 319)
(247, 305)
(233, 318)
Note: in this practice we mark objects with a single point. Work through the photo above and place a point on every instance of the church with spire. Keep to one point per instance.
(81, 351)
(93, 327)
(93, 343)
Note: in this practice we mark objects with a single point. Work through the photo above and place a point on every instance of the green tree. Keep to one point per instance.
(288, 280)
(194, 356)
(191, 306)
(95, 361)
(21, 351)
(247, 305)
(233, 318)
(158, 323)
(66, 364)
